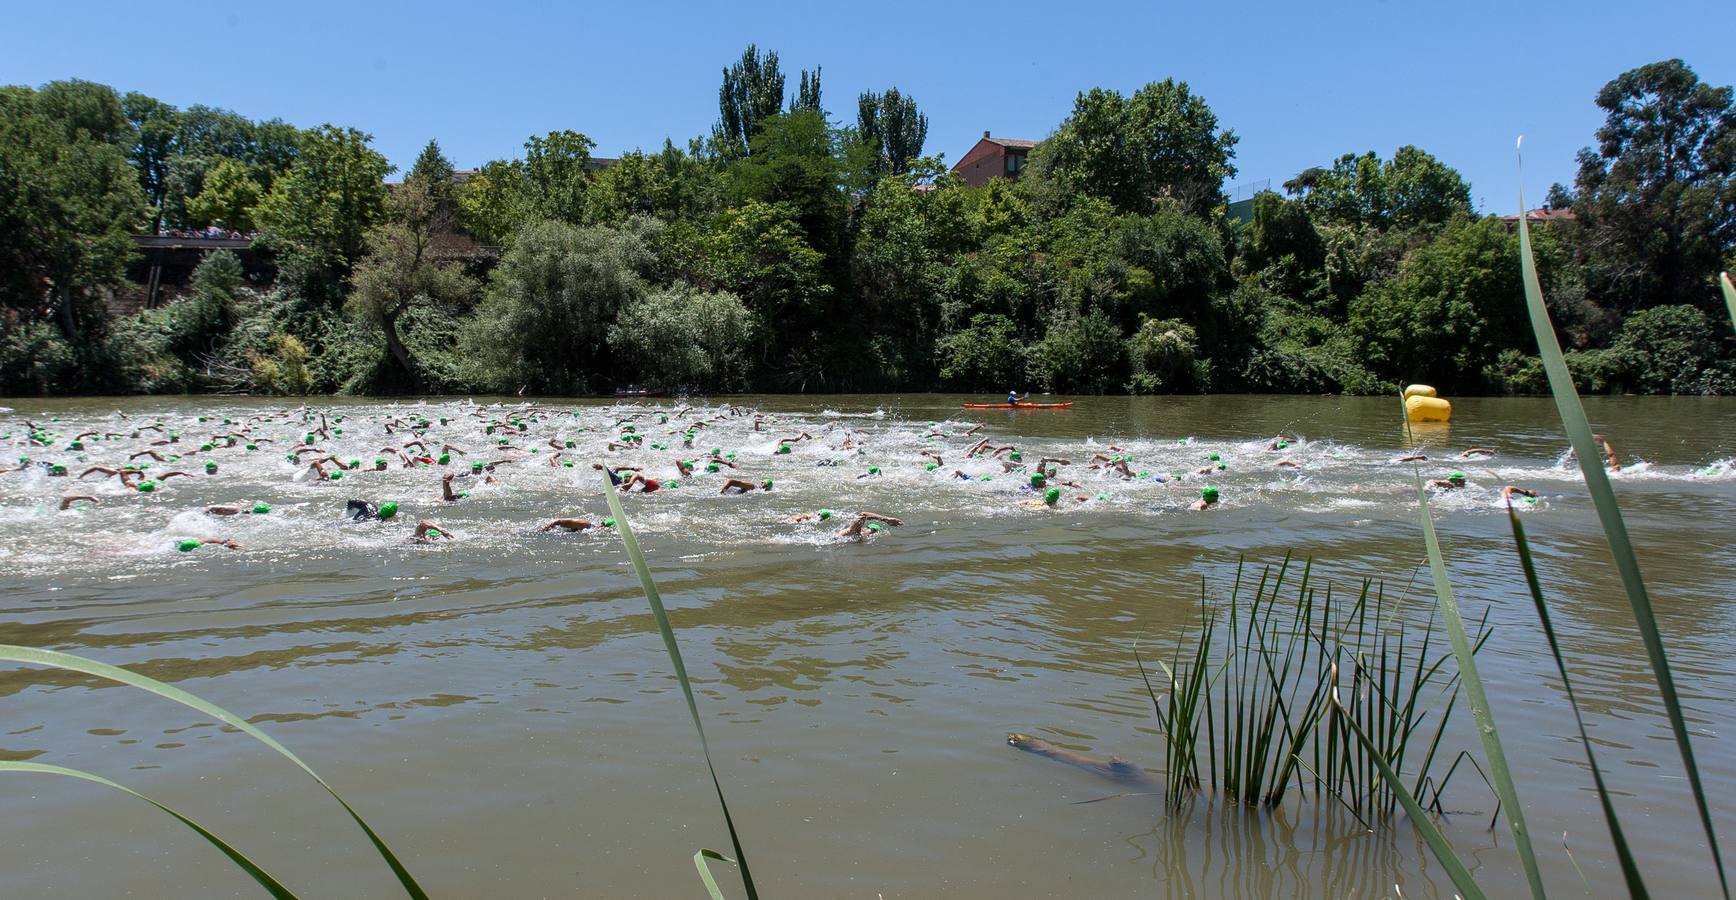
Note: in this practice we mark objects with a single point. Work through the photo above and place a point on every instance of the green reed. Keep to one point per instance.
(1247, 710)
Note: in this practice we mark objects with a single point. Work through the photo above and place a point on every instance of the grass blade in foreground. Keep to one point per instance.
(656, 600)
(1629, 869)
(1473, 682)
(1614, 528)
(1443, 851)
(1729, 289)
(275, 888)
(57, 660)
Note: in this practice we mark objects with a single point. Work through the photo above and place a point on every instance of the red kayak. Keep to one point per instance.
(1067, 405)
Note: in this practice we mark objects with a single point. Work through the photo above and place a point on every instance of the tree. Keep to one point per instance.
(229, 197)
(808, 95)
(752, 92)
(759, 252)
(320, 211)
(490, 202)
(986, 356)
(680, 336)
(556, 172)
(1412, 190)
(86, 110)
(155, 123)
(1162, 354)
(69, 205)
(799, 161)
(891, 125)
(546, 312)
(403, 267)
(435, 172)
(1083, 354)
(1162, 142)
(1456, 303)
(1657, 195)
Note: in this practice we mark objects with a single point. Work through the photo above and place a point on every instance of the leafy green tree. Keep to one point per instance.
(1456, 303)
(1657, 195)
(1672, 350)
(87, 111)
(229, 197)
(166, 349)
(404, 267)
(435, 172)
(490, 202)
(808, 94)
(758, 252)
(892, 126)
(1162, 355)
(752, 93)
(1411, 190)
(1079, 355)
(557, 172)
(680, 336)
(1161, 143)
(799, 161)
(548, 307)
(987, 356)
(320, 211)
(69, 205)
(155, 124)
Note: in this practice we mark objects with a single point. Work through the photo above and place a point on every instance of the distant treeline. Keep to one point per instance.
(792, 249)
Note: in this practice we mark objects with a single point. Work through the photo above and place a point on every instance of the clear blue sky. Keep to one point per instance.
(1299, 86)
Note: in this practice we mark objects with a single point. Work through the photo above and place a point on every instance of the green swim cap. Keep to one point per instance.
(253, 446)
(1051, 495)
(1283, 444)
(379, 460)
(608, 523)
(567, 464)
(662, 420)
(874, 470)
(307, 438)
(1038, 480)
(260, 509)
(629, 429)
(766, 484)
(783, 448)
(210, 466)
(570, 444)
(445, 458)
(729, 455)
(1209, 494)
(711, 467)
(188, 545)
(668, 484)
(205, 447)
(476, 466)
(339, 431)
(825, 514)
(1015, 456)
(1214, 457)
(201, 418)
(146, 487)
(933, 466)
(57, 469)
(987, 478)
(874, 526)
(488, 430)
(717, 451)
(336, 476)
(388, 509)
(292, 457)
(75, 445)
(1456, 476)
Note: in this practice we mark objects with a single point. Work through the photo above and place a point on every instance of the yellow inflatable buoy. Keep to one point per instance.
(1418, 390)
(1420, 408)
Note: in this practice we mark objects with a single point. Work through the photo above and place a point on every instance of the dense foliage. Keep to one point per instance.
(791, 249)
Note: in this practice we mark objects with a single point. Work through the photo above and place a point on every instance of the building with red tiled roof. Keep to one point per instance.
(993, 157)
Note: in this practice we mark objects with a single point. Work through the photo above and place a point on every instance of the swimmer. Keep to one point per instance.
(930, 454)
(1287, 464)
(867, 521)
(447, 493)
(1043, 465)
(1512, 489)
(362, 510)
(1280, 443)
(151, 453)
(738, 486)
(1051, 497)
(974, 429)
(1413, 457)
(424, 528)
(799, 518)
(192, 543)
(111, 472)
(567, 525)
(1610, 460)
(222, 510)
(1208, 499)
(1450, 483)
(67, 501)
(1477, 452)
(648, 485)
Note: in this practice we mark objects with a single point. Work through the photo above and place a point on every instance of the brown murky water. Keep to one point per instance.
(500, 707)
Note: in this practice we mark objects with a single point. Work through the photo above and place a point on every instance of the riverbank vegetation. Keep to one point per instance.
(794, 248)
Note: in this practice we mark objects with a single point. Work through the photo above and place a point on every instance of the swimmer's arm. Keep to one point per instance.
(105, 470)
(168, 475)
(568, 524)
(68, 501)
(1485, 451)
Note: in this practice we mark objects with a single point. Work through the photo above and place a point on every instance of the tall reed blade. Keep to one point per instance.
(656, 600)
(57, 660)
(1629, 868)
(1480, 711)
(1443, 851)
(271, 885)
(1729, 289)
(1614, 528)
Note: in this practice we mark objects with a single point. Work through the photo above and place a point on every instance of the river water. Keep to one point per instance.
(499, 705)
